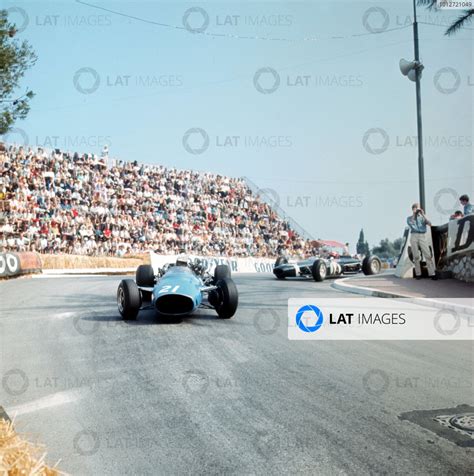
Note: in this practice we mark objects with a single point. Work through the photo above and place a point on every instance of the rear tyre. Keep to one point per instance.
(222, 271)
(319, 270)
(128, 299)
(371, 265)
(228, 298)
(145, 276)
(281, 260)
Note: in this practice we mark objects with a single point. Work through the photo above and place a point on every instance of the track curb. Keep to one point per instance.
(341, 285)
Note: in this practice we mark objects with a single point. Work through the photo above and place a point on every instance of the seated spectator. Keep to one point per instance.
(468, 208)
(63, 202)
(457, 214)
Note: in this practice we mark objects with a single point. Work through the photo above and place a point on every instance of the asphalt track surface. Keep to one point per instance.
(210, 396)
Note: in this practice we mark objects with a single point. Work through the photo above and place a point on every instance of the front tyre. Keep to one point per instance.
(371, 265)
(319, 270)
(145, 276)
(128, 299)
(228, 298)
(221, 271)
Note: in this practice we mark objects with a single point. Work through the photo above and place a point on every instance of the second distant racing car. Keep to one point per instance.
(319, 268)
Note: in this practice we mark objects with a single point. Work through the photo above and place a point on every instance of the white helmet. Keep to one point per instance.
(182, 260)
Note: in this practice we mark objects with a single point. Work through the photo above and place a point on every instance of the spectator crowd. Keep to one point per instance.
(60, 202)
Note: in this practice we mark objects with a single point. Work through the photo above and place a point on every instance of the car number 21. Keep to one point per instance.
(168, 289)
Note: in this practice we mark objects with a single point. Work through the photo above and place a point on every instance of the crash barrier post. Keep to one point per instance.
(16, 264)
(452, 245)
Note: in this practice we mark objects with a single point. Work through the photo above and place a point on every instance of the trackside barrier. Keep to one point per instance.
(237, 265)
(16, 264)
(451, 245)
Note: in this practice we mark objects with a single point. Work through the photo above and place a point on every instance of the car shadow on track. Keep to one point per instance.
(149, 317)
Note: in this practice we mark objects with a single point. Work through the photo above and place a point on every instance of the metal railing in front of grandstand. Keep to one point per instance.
(272, 198)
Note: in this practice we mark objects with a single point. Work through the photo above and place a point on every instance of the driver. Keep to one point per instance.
(183, 260)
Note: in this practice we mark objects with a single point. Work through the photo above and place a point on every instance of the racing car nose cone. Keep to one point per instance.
(174, 304)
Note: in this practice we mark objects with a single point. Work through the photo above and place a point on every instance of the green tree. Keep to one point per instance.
(362, 247)
(15, 59)
(459, 23)
(388, 249)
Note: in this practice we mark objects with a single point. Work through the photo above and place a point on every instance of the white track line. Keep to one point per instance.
(54, 400)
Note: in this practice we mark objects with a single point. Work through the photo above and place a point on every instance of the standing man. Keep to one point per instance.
(417, 223)
(468, 209)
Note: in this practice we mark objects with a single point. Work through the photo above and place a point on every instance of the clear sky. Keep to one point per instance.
(305, 99)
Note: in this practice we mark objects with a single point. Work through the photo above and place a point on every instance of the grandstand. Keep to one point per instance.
(60, 202)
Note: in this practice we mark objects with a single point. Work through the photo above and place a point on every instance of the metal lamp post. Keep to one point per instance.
(413, 71)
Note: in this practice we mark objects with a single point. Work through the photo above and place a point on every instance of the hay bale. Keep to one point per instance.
(20, 457)
(87, 262)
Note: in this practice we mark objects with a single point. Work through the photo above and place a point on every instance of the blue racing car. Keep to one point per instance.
(178, 289)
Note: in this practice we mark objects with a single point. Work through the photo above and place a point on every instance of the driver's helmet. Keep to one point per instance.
(183, 260)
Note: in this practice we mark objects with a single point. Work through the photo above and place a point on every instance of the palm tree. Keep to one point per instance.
(465, 17)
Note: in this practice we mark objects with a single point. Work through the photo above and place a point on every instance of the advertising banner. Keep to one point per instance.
(237, 265)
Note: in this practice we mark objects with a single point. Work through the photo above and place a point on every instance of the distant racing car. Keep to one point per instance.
(178, 289)
(321, 268)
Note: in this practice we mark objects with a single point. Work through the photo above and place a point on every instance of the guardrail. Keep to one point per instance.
(271, 197)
